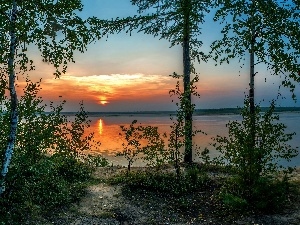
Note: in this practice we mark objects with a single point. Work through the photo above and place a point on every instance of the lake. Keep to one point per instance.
(107, 129)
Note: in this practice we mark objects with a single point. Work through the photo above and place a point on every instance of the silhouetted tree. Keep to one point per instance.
(268, 30)
(179, 22)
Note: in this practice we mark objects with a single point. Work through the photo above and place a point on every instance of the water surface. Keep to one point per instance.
(107, 130)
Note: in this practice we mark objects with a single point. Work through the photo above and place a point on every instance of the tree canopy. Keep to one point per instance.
(270, 29)
(54, 27)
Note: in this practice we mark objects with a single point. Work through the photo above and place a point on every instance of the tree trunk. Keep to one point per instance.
(177, 167)
(188, 155)
(251, 95)
(251, 151)
(13, 101)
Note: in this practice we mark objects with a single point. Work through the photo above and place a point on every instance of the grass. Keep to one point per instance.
(161, 197)
(192, 195)
(196, 194)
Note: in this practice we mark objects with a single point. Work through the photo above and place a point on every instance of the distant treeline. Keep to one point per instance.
(221, 111)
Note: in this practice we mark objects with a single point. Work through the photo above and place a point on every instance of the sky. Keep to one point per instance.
(131, 73)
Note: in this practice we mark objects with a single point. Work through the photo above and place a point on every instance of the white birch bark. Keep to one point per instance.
(14, 100)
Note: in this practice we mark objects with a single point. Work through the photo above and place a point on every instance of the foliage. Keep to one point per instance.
(163, 182)
(255, 168)
(168, 21)
(176, 140)
(46, 172)
(268, 195)
(96, 160)
(145, 141)
(52, 26)
(55, 29)
(154, 152)
(270, 29)
(204, 155)
(132, 147)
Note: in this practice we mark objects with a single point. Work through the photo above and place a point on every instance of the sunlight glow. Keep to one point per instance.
(103, 100)
(100, 126)
(104, 89)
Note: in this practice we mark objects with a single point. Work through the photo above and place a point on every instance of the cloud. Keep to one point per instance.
(103, 89)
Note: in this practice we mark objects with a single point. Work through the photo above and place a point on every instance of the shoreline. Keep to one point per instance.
(105, 203)
(198, 112)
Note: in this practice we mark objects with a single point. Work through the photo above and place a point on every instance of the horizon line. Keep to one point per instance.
(281, 108)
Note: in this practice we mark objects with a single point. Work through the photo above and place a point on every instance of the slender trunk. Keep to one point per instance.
(251, 95)
(252, 73)
(251, 84)
(177, 168)
(128, 167)
(251, 151)
(188, 155)
(13, 101)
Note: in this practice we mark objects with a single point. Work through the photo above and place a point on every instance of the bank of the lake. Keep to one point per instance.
(108, 204)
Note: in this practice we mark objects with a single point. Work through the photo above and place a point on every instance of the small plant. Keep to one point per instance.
(256, 167)
(132, 146)
(179, 128)
(154, 151)
(96, 160)
(234, 201)
(146, 142)
(192, 173)
(204, 155)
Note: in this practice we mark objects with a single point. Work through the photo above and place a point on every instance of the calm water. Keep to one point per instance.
(107, 131)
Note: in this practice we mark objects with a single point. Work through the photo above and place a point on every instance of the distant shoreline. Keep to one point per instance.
(198, 112)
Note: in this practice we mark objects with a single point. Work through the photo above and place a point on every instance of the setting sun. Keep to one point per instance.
(103, 100)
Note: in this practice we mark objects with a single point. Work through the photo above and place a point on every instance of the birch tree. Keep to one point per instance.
(269, 33)
(178, 21)
(54, 28)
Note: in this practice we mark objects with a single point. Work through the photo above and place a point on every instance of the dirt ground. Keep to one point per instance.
(105, 204)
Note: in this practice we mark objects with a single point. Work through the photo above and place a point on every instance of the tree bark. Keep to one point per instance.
(13, 100)
(251, 92)
(188, 154)
(251, 151)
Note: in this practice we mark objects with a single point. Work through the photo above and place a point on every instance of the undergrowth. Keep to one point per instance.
(50, 167)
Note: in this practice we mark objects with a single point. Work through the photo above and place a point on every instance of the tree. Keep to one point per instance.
(54, 28)
(256, 169)
(268, 30)
(179, 22)
(132, 146)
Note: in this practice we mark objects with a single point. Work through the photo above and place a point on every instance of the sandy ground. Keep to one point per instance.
(104, 204)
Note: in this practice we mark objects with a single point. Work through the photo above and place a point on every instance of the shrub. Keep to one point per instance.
(256, 166)
(38, 181)
(144, 142)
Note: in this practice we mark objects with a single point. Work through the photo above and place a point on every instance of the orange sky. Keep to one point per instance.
(131, 73)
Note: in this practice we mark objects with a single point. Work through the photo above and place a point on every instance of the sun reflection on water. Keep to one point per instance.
(100, 126)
